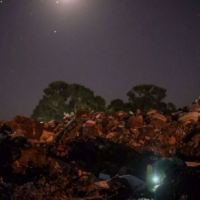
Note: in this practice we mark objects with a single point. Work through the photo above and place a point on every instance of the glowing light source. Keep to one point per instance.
(66, 1)
(155, 179)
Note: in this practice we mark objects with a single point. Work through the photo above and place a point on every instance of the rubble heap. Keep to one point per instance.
(63, 160)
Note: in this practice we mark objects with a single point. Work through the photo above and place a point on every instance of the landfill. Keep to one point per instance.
(95, 156)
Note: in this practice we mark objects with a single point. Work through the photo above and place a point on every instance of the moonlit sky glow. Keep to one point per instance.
(106, 45)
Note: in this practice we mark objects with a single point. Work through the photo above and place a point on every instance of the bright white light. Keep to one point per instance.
(155, 179)
(66, 1)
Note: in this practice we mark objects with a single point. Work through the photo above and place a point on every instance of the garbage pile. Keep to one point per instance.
(72, 159)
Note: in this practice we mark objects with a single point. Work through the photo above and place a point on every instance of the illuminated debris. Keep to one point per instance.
(191, 116)
(47, 137)
(89, 123)
(136, 121)
(195, 106)
(172, 140)
(72, 153)
(31, 128)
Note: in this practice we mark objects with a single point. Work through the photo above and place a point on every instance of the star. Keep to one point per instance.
(57, 2)
(55, 31)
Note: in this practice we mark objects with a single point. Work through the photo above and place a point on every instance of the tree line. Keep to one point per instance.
(60, 97)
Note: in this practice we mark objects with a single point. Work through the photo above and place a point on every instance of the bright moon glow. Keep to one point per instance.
(66, 1)
(62, 4)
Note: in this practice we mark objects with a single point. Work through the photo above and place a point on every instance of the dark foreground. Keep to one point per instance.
(64, 160)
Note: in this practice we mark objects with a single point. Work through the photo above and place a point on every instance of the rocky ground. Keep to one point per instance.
(64, 160)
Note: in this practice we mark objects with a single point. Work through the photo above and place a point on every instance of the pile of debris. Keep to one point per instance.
(69, 160)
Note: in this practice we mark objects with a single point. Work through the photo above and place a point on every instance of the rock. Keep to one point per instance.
(111, 135)
(147, 138)
(136, 121)
(196, 139)
(90, 123)
(159, 116)
(31, 128)
(151, 112)
(98, 115)
(194, 108)
(135, 144)
(172, 140)
(47, 137)
(35, 156)
(156, 119)
(51, 124)
(158, 123)
(189, 116)
(18, 133)
(122, 114)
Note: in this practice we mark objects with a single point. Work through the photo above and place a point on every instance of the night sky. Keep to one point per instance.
(106, 45)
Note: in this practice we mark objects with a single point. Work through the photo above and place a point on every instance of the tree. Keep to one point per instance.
(60, 97)
(145, 97)
(57, 87)
(80, 97)
(49, 108)
(117, 105)
(170, 108)
(99, 103)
